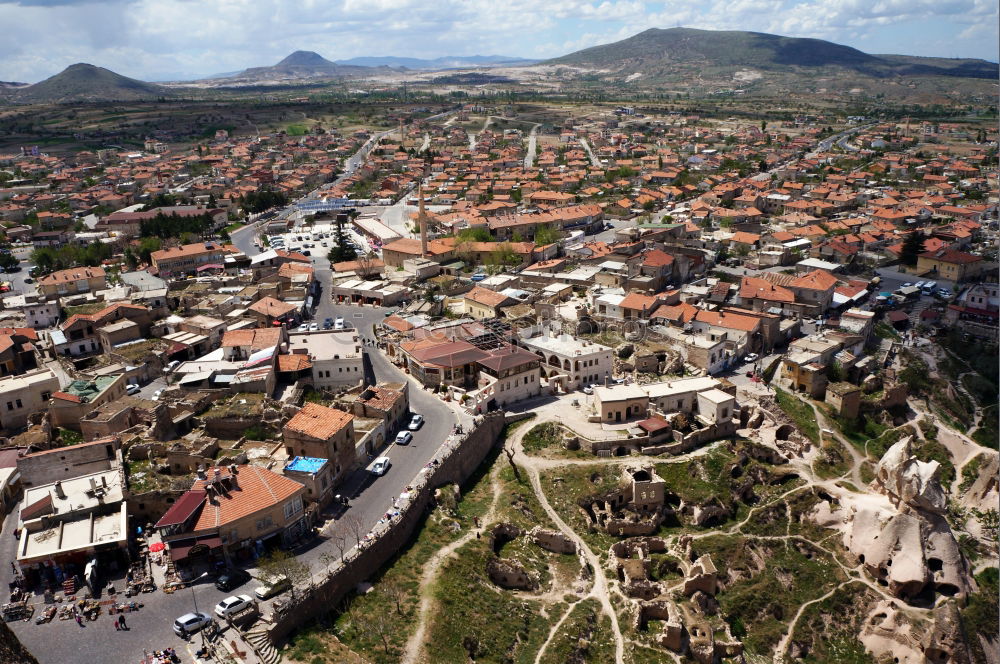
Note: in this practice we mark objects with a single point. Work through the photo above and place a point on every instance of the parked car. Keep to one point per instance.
(479, 276)
(132, 390)
(328, 324)
(381, 466)
(231, 578)
(232, 604)
(403, 437)
(588, 389)
(751, 357)
(339, 323)
(304, 327)
(156, 395)
(190, 623)
(29, 280)
(313, 327)
(416, 422)
(306, 252)
(173, 365)
(276, 587)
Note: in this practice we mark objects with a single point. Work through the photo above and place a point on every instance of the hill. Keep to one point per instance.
(298, 67)
(83, 82)
(657, 53)
(445, 62)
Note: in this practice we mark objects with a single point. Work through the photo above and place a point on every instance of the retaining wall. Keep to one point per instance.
(458, 459)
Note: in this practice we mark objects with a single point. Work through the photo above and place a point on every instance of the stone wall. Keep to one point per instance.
(456, 463)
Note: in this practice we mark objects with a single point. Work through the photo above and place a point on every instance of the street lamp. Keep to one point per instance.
(194, 598)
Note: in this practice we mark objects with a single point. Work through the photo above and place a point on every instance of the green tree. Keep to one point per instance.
(341, 251)
(147, 246)
(7, 261)
(545, 234)
(913, 246)
(281, 564)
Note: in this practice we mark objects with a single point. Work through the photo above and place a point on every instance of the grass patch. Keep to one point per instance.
(243, 404)
(585, 636)
(970, 472)
(885, 331)
(981, 614)
(931, 450)
(542, 436)
(477, 622)
(987, 434)
(833, 461)
(765, 584)
(296, 130)
(799, 412)
(829, 640)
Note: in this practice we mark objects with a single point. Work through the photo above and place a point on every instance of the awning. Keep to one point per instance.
(181, 510)
(211, 266)
(182, 551)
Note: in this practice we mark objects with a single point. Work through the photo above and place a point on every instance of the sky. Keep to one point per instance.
(186, 39)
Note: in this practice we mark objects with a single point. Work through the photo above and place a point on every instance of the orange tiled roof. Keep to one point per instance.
(295, 362)
(256, 490)
(319, 421)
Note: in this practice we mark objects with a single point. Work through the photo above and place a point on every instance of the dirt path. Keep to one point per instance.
(554, 631)
(779, 650)
(413, 651)
(600, 590)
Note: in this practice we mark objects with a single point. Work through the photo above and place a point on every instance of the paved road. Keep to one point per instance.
(529, 159)
(590, 153)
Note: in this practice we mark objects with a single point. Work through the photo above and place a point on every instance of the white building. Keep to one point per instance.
(678, 396)
(582, 362)
(336, 356)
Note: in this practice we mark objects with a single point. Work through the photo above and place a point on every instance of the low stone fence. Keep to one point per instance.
(456, 460)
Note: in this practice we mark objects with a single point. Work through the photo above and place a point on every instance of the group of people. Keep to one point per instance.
(166, 656)
(120, 625)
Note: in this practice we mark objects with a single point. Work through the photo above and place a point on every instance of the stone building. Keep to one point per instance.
(321, 432)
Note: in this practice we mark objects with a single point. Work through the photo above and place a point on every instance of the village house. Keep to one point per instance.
(72, 281)
(325, 433)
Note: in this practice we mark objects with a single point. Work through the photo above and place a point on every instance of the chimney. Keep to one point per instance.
(93, 484)
(104, 481)
(422, 218)
(217, 473)
(201, 472)
(59, 491)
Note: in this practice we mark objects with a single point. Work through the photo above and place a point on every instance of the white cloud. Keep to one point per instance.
(143, 37)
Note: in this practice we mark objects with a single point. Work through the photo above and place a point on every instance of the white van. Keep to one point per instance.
(929, 287)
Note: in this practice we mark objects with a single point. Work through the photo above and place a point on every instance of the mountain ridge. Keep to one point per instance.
(655, 50)
(87, 82)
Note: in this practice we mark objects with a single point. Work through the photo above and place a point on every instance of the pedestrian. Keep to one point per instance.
(118, 627)
(79, 620)
(121, 621)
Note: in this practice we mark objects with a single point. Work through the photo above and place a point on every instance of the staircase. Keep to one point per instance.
(262, 646)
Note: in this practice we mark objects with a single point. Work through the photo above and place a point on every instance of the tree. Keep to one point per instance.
(545, 234)
(366, 264)
(394, 591)
(7, 261)
(281, 564)
(913, 246)
(341, 251)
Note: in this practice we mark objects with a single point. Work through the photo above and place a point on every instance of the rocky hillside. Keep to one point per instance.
(656, 51)
(83, 82)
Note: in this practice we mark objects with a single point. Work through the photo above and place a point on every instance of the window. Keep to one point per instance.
(18, 401)
(293, 507)
(264, 523)
(10, 405)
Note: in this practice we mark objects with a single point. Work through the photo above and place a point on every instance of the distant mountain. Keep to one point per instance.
(11, 84)
(305, 59)
(446, 62)
(83, 82)
(657, 53)
(299, 67)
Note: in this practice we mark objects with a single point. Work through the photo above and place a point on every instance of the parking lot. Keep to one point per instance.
(316, 241)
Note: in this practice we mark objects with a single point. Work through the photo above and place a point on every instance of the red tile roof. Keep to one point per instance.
(319, 421)
(256, 490)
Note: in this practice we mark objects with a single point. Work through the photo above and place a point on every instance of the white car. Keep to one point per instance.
(588, 389)
(381, 466)
(339, 323)
(304, 327)
(190, 623)
(132, 390)
(751, 357)
(276, 587)
(173, 365)
(403, 437)
(313, 327)
(416, 422)
(156, 395)
(232, 604)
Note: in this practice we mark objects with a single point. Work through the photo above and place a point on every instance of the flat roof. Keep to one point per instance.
(619, 393)
(302, 464)
(326, 344)
(716, 395)
(680, 386)
(565, 345)
(83, 532)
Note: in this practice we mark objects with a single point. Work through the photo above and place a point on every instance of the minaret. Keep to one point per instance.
(422, 218)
